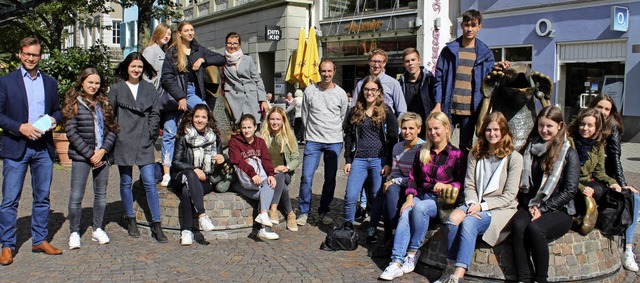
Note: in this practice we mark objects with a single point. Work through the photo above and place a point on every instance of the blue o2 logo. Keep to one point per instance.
(619, 18)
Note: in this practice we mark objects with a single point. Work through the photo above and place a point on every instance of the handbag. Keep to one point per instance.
(244, 179)
(342, 238)
(615, 212)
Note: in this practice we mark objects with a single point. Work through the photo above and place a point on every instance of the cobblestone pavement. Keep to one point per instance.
(295, 257)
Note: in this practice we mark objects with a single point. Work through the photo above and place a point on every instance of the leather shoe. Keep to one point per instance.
(7, 256)
(46, 248)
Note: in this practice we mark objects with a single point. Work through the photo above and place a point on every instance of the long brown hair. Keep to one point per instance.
(187, 120)
(285, 135)
(504, 146)
(614, 116)
(379, 113)
(555, 145)
(180, 56)
(100, 97)
(158, 34)
(574, 128)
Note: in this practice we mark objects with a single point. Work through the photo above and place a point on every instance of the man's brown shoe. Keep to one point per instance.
(46, 248)
(7, 256)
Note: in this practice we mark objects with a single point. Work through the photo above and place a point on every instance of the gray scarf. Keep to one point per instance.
(538, 148)
(203, 147)
(233, 58)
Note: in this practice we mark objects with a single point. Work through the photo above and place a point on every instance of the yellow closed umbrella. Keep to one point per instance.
(311, 63)
(290, 78)
(297, 68)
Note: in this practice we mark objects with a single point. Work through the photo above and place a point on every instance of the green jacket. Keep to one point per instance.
(292, 159)
(593, 169)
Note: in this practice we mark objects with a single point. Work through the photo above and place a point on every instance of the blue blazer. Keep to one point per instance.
(14, 111)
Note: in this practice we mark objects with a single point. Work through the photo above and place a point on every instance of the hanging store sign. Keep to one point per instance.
(372, 25)
(272, 33)
(619, 18)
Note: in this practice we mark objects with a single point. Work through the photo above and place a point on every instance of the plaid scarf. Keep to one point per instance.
(203, 147)
(538, 148)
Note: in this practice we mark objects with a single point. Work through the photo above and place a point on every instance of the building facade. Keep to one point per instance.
(587, 47)
(105, 29)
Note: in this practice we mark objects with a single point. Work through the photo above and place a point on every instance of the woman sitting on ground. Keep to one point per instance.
(612, 133)
(283, 150)
(548, 185)
(490, 189)
(437, 167)
(196, 167)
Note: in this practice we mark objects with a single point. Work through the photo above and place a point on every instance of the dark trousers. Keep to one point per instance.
(530, 240)
(598, 191)
(298, 129)
(191, 197)
(467, 130)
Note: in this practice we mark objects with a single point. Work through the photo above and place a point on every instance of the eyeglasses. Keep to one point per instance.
(373, 90)
(374, 62)
(29, 55)
(233, 44)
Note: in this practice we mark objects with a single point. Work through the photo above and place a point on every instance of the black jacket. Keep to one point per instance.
(175, 82)
(82, 136)
(388, 135)
(612, 150)
(562, 197)
(426, 89)
(183, 157)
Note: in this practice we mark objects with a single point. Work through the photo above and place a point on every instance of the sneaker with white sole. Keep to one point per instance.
(453, 279)
(629, 261)
(409, 263)
(302, 219)
(205, 223)
(166, 178)
(263, 218)
(186, 238)
(268, 234)
(100, 236)
(325, 219)
(74, 241)
(394, 270)
(445, 274)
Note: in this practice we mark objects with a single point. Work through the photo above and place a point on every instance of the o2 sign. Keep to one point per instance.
(545, 28)
(619, 18)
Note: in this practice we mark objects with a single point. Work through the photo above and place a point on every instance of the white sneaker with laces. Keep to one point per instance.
(394, 270)
(166, 178)
(205, 223)
(267, 233)
(186, 238)
(263, 218)
(629, 261)
(409, 263)
(74, 241)
(100, 236)
(302, 220)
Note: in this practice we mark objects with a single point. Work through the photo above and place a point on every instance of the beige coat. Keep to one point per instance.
(502, 202)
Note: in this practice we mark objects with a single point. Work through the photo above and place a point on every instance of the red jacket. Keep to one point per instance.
(240, 149)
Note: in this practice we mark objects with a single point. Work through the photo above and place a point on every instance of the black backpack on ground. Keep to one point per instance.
(341, 238)
(615, 212)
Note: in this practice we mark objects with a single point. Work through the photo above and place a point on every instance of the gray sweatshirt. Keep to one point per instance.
(323, 111)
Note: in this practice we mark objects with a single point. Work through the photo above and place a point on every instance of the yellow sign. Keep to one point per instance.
(363, 26)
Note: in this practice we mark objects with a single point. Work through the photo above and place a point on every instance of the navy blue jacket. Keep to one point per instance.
(426, 89)
(14, 111)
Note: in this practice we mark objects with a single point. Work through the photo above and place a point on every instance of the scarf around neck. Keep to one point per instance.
(203, 147)
(583, 147)
(233, 58)
(538, 148)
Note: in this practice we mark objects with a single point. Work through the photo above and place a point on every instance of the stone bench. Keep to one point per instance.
(572, 257)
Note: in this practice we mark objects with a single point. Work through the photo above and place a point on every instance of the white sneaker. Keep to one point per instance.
(263, 218)
(629, 262)
(186, 238)
(394, 270)
(409, 263)
(267, 233)
(100, 236)
(74, 241)
(302, 220)
(445, 274)
(205, 223)
(166, 178)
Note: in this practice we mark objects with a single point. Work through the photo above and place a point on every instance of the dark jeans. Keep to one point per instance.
(79, 175)
(467, 130)
(281, 194)
(530, 240)
(313, 151)
(191, 197)
(394, 198)
(298, 129)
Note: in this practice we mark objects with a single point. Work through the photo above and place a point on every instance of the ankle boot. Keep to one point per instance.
(156, 232)
(133, 227)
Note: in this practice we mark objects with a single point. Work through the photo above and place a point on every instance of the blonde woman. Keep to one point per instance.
(285, 158)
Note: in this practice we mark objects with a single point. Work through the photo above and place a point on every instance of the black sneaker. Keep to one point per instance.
(372, 235)
(361, 214)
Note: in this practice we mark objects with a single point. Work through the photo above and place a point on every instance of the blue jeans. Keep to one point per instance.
(310, 162)
(461, 239)
(147, 174)
(170, 125)
(37, 157)
(632, 228)
(79, 175)
(413, 225)
(391, 206)
(361, 169)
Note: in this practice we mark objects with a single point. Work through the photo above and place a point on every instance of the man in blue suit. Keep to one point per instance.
(26, 95)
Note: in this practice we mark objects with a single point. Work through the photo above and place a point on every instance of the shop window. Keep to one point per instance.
(393, 46)
(522, 54)
(347, 8)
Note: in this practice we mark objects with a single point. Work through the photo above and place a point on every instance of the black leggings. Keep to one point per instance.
(192, 197)
(530, 240)
(598, 191)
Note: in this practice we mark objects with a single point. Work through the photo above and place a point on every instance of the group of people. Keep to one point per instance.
(528, 195)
